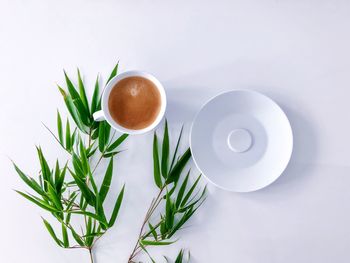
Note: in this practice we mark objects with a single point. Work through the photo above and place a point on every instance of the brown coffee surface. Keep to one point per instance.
(134, 103)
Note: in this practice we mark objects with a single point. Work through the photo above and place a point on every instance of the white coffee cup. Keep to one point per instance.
(104, 113)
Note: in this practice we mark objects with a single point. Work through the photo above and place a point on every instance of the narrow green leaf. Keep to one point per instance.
(71, 202)
(176, 149)
(94, 216)
(148, 254)
(68, 137)
(54, 198)
(71, 89)
(76, 237)
(116, 208)
(77, 101)
(59, 127)
(117, 142)
(83, 93)
(65, 236)
(88, 236)
(57, 172)
(192, 203)
(95, 96)
(101, 136)
(86, 192)
(91, 152)
(165, 151)
(113, 73)
(107, 132)
(106, 181)
(179, 166)
(38, 202)
(78, 166)
(189, 193)
(72, 110)
(29, 181)
(169, 215)
(153, 231)
(156, 168)
(156, 243)
(44, 168)
(60, 181)
(111, 154)
(182, 190)
(52, 233)
(100, 211)
(83, 157)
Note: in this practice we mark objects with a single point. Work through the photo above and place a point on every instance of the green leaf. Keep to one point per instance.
(71, 89)
(116, 207)
(182, 190)
(38, 202)
(69, 142)
(165, 151)
(95, 96)
(44, 168)
(107, 132)
(148, 254)
(117, 142)
(111, 154)
(59, 127)
(169, 215)
(60, 181)
(29, 181)
(89, 235)
(52, 233)
(84, 159)
(65, 236)
(86, 192)
(100, 211)
(106, 181)
(189, 193)
(182, 221)
(156, 243)
(76, 237)
(71, 202)
(54, 198)
(101, 136)
(176, 149)
(57, 172)
(83, 93)
(153, 231)
(77, 101)
(156, 168)
(113, 73)
(72, 110)
(179, 166)
(91, 152)
(78, 166)
(192, 203)
(94, 216)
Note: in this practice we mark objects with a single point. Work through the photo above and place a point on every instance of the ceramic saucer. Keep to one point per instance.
(241, 140)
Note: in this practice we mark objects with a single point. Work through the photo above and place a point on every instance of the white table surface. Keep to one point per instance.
(295, 51)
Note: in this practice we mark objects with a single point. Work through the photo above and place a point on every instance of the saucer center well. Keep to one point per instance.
(239, 140)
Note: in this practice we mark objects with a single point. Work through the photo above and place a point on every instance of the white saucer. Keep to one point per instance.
(241, 141)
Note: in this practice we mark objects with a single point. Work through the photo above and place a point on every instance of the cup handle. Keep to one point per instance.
(98, 116)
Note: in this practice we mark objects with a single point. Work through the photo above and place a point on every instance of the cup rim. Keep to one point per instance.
(113, 82)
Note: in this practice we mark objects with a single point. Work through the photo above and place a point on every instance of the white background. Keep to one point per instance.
(295, 51)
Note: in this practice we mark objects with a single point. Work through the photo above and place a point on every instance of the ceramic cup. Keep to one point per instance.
(104, 113)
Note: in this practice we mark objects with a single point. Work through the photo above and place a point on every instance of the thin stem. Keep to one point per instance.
(91, 256)
(150, 211)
